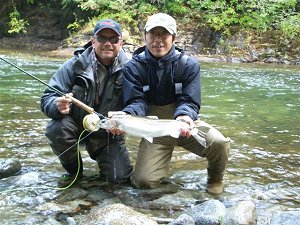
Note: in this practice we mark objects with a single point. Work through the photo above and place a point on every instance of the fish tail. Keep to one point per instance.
(199, 136)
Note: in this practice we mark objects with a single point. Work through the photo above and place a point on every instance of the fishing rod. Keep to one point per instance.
(90, 123)
(74, 100)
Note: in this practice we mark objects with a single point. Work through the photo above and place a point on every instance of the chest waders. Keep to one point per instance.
(154, 159)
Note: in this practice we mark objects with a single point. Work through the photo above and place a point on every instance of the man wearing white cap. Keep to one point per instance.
(160, 80)
(94, 76)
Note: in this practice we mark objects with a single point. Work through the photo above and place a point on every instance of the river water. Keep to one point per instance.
(257, 106)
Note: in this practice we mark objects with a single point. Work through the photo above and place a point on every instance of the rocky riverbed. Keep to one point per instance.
(94, 201)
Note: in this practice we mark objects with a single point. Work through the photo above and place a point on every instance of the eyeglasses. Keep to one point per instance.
(103, 40)
(159, 32)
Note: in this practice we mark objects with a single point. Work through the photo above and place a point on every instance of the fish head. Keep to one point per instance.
(108, 124)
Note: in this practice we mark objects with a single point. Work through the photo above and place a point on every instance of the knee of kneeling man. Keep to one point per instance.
(222, 144)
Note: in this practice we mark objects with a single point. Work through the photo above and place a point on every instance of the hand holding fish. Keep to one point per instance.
(186, 131)
(115, 130)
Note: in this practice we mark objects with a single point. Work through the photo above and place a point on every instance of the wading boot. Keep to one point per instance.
(68, 179)
(215, 184)
(215, 188)
(74, 173)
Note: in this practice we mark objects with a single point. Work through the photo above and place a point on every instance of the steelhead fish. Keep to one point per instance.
(148, 127)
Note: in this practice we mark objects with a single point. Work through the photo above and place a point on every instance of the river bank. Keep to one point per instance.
(198, 44)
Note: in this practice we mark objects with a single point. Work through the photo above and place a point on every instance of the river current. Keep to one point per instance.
(257, 106)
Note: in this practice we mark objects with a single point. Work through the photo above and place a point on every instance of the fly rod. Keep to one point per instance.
(74, 100)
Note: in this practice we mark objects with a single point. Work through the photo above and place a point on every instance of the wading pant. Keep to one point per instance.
(109, 152)
(154, 159)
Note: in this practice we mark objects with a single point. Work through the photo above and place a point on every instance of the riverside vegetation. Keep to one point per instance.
(262, 177)
(236, 31)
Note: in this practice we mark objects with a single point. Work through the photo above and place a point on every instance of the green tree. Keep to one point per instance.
(16, 24)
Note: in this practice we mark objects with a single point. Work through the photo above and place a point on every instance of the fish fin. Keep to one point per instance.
(199, 136)
(175, 134)
(150, 139)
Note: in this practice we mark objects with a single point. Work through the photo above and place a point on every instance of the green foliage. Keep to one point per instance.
(76, 25)
(291, 26)
(16, 24)
(146, 9)
(262, 15)
(176, 7)
(221, 15)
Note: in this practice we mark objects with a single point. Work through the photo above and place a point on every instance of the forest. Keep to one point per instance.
(252, 30)
(226, 16)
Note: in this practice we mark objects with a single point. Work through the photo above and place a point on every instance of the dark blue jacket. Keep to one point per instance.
(148, 81)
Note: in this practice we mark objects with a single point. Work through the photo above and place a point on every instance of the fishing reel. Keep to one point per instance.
(91, 122)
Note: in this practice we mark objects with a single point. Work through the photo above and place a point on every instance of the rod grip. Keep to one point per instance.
(81, 104)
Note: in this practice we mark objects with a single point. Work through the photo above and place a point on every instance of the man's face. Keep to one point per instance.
(159, 41)
(107, 45)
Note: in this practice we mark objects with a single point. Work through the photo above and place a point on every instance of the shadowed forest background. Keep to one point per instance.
(257, 29)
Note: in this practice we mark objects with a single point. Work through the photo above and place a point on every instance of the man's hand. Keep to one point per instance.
(111, 114)
(63, 103)
(189, 121)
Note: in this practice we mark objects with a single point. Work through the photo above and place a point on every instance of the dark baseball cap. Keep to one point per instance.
(109, 24)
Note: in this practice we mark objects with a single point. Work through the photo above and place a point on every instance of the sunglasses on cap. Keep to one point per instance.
(103, 40)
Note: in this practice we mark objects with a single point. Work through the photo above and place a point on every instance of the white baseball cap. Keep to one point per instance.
(161, 20)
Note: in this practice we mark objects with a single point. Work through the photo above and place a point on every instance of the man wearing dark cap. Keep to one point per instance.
(93, 76)
(160, 80)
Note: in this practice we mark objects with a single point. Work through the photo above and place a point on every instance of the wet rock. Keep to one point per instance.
(233, 59)
(70, 208)
(271, 60)
(269, 52)
(286, 218)
(207, 220)
(183, 219)
(161, 220)
(52, 221)
(117, 214)
(243, 213)
(177, 201)
(146, 198)
(71, 194)
(208, 213)
(37, 219)
(9, 167)
(275, 194)
(28, 179)
(71, 221)
(96, 195)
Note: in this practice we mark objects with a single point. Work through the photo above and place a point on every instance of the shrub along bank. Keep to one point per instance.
(247, 31)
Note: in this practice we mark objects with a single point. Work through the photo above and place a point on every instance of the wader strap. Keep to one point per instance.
(178, 73)
(146, 88)
(178, 88)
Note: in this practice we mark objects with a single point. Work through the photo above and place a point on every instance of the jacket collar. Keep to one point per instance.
(143, 54)
(83, 60)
